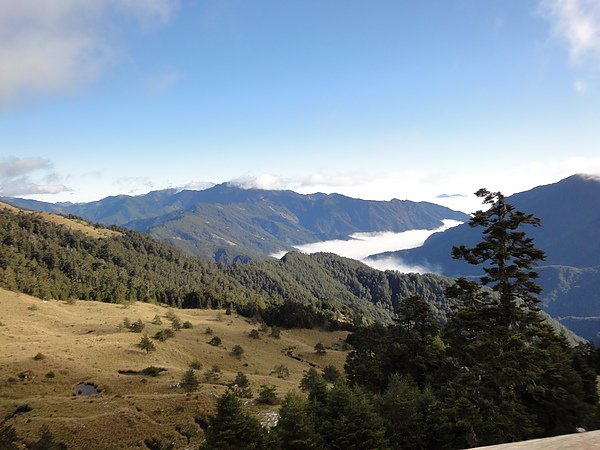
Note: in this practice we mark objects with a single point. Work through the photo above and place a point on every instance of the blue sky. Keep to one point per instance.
(373, 99)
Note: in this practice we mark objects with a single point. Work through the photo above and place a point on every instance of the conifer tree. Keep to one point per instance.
(231, 428)
(313, 383)
(349, 420)
(189, 381)
(511, 255)
(46, 442)
(511, 377)
(296, 427)
(403, 415)
(8, 437)
(146, 344)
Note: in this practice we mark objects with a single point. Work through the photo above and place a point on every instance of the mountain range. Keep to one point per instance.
(226, 223)
(569, 211)
(57, 257)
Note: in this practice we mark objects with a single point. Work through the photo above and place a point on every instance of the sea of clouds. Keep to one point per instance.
(362, 245)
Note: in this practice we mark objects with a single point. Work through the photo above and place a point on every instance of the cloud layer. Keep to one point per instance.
(578, 23)
(363, 245)
(28, 176)
(54, 45)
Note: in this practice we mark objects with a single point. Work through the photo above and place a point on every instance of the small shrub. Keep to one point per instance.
(215, 341)
(157, 320)
(146, 344)
(176, 324)
(228, 312)
(171, 315)
(241, 386)
(50, 374)
(187, 325)
(275, 332)
(71, 301)
(39, 356)
(46, 441)
(254, 334)
(163, 335)
(212, 374)
(320, 349)
(189, 381)
(32, 308)
(126, 323)
(196, 365)
(237, 351)
(208, 330)
(281, 371)
(219, 317)
(137, 326)
(331, 373)
(267, 395)
(153, 371)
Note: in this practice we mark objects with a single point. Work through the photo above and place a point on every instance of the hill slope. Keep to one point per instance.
(225, 222)
(55, 257)
(85, 342)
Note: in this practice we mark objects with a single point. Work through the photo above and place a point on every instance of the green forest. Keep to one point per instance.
(47, 260)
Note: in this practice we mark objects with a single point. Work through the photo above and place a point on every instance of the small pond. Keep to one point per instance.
(86, 390)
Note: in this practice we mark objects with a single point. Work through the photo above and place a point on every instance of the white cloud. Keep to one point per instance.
(264, 181)
(164, 81)
(12, 166)
(197, 185)
(580, 86)
(578, 23)
(28, 176)
(398, 265)
(362, 245)
(50, 46)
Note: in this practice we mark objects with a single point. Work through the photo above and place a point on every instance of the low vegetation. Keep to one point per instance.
(83, 343)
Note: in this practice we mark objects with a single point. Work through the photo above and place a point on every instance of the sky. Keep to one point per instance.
(421, 100)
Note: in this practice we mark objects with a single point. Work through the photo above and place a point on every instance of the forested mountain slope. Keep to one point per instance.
(56, 257)
(41, 257)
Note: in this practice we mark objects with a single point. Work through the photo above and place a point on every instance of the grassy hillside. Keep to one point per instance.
(86, 342)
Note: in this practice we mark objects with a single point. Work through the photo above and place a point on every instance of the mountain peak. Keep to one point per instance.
(585, 177)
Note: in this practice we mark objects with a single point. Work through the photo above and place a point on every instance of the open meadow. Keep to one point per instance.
(49, 347)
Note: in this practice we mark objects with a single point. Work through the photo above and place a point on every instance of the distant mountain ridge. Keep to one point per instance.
(225, 222)
(570, 236)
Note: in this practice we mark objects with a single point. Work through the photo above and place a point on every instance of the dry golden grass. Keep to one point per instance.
(71, 224)
(86, 342)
